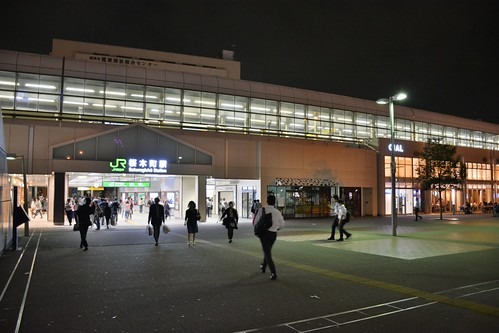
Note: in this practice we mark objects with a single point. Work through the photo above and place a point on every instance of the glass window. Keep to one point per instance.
(64, 153)
(73, 104)
(173, 114)
(37, 102)
(39, 83)
(192, 115)
(173, 96)
(113, 108)
(133, 110)
(93, 106)
(113, 90)
(258, 105)
(78, 87)
(135, 92)
(208, 116)
(155, 111)
(7, 99)
(230, 102)
(7, 80)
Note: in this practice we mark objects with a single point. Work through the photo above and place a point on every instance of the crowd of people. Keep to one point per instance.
(86, 212)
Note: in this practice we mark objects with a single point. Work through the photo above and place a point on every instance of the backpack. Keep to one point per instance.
(263, 224)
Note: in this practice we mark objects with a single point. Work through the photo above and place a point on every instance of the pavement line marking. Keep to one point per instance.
(28, 283)
(15, 268)
(457, 302)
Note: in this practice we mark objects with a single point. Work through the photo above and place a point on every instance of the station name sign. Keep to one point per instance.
(139, 165)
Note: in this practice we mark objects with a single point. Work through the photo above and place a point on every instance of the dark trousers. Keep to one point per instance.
(69, 215)
(268, 240)
(416, 212)
(83, 235)
(157, 229)
(97, 221)
(333, 227)
(230, 232)
(342, 229)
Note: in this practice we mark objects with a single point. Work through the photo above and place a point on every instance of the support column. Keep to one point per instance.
(202, 196)
(59, 199)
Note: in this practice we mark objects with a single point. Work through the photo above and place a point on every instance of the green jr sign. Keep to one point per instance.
(126, 184)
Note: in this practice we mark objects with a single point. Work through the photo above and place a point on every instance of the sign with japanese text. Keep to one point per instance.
(139, 165)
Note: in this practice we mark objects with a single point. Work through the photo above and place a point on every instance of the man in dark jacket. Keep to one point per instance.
(156, 217)
(84, 211)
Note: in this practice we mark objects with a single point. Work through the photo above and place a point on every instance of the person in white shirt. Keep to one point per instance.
(269, 237)
(336, 208)
(342, 214)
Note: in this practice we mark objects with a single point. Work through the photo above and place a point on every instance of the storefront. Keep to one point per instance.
(303, 197)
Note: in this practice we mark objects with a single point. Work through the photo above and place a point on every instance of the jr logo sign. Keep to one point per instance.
(119, 165)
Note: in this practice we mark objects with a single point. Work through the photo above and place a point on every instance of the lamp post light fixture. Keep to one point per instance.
(21, 157)
(393, 167)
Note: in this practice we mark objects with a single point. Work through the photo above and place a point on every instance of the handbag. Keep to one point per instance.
(76, 227)
(149, 230)
(165, 229)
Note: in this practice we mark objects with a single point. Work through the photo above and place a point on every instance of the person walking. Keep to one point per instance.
(191, 221)
(38, 208)
(68, 208)
(268, 238)
(342, 216)
(97, 214)
(336, 220)
(417, 209)
(107, 212)
(84, 211)
(156, 218)
(230, 219)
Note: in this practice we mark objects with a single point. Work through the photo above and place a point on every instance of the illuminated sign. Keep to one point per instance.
(397, 148)
(126, 184)
(136, 165)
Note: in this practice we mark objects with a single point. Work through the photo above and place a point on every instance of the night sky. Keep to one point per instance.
(442, 53)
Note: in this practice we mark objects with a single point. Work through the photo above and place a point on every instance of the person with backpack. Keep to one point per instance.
(230, 219)
(344, 217)
(269, 236)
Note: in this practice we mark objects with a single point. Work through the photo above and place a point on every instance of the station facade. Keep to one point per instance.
(102, 120)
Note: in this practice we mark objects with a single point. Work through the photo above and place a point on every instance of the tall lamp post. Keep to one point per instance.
(21, 157)
(393, 167)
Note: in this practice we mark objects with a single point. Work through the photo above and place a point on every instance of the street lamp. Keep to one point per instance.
(393, 168)
(21, 157)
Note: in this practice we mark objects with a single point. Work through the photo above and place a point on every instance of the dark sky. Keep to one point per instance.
(442, 53)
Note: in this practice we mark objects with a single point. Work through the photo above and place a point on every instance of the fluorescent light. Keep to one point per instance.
(80, 90)
(42, 86)
(7, 83)
(131, 108)
(228, 105)
(75, 103)
(115, 93)
(41, 100)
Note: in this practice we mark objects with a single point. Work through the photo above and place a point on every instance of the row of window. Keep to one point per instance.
(204, 110)
(406, 169)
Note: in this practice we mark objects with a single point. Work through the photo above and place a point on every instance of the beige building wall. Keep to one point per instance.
(235, 156)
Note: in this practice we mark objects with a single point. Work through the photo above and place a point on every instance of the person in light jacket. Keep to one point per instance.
(342, 214)
(269, 236)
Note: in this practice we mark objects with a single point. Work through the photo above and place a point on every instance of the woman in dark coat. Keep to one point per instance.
(230, 219)
(191, 220)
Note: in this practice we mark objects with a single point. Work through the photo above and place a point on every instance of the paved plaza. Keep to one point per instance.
(434, 276)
